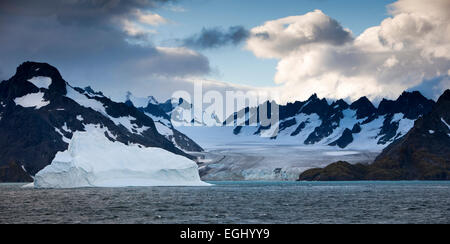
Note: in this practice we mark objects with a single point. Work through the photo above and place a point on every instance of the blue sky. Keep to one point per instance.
(236, 65)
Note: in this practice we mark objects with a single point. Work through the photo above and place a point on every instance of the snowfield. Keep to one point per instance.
(94, 161)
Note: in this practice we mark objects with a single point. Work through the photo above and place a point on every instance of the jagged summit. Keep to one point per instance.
(444, 97)
(29, 70)
(412, 104)
(340, 104)
(313, 97)
(364, 108)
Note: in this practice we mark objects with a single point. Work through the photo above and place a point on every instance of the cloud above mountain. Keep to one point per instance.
(279, 38)
(93, 40)
(110, 44)
(316, 54)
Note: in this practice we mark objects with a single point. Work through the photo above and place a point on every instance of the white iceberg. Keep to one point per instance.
(94, 161)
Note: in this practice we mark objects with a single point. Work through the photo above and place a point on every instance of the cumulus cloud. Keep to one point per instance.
(317, 55)
(217, 37)
(279, 38)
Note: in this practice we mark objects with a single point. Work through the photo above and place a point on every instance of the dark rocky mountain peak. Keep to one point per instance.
(313, 97)
(364, 108)
(412, 104)
(28, 70)
(91, 91)
(340, 104)
(20, 84)
(445, 97)
(316, 105)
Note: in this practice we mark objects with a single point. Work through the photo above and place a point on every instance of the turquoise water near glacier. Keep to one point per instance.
(233, 203)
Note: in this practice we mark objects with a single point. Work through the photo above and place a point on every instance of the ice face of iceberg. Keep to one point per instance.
(92, 160)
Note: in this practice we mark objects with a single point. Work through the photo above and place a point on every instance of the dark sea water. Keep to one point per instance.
(233, 202)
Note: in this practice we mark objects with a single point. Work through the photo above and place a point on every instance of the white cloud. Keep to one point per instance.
(135, 30)
(149, 18)
(318, 55)
(278, 38)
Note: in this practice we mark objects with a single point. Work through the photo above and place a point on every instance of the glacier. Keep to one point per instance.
(92, 160)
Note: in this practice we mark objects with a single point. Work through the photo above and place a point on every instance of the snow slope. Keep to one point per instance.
(85, 164)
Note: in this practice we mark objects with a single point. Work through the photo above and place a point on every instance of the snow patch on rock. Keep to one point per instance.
(41, 81)
(163, 130)
(33, 100)
(85, 101)
(127, 122)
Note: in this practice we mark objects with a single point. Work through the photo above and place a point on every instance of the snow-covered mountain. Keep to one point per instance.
(314, 122)
(161, 115)
(422, 154)
(358, 125)
(40, 112)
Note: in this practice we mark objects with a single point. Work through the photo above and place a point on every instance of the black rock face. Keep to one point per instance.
(340, 104)
(412, 104)
(287, 124)
(364, 108)
(31, 137)
(316, 105)
(237, 130)
(356, 129)
(14, 173)
(389, 129)
(291, 109)
(299, 129)
(155, 110)
(344, 140)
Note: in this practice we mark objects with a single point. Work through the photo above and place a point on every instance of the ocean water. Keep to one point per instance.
(233, 203)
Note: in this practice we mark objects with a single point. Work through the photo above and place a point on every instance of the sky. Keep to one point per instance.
(337, 49)
(232, 62)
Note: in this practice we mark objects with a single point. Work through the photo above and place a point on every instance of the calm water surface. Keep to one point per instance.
(233, 202)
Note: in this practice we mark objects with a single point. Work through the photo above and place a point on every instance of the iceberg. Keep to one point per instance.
(92, 160)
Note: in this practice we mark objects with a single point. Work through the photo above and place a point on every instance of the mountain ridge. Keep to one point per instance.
(316, 121)
(422, 154)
